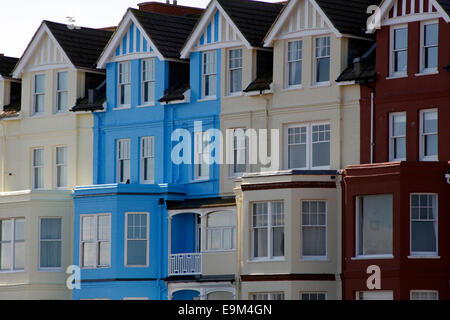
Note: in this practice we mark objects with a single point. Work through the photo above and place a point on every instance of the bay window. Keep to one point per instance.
(95, 241)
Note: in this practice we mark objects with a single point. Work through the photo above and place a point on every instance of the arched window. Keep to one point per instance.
(221, 231)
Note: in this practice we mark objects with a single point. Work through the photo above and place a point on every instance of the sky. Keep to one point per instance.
(19, 19)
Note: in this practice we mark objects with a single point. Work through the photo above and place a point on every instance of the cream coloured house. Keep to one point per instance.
(289, 215)
(46, 151)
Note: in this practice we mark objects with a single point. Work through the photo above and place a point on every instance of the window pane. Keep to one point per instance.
(375, 232)
(19, 229)
(137, 252)
(314, 241)
(38, 178)
(88, 228)
(401, 38)
(39, 103)
(50, 256)
(423, 236)
(401, 61)
(51, 229)
(236, 80)
(430, 122)
(19, 255)
(431, 34)
(323, 70)
(295, 73)
(88, 254)
(321, 154)
(62, 81)
(5, 230)
(104, 255)
(104, 227)
(260, 243)
(5, 256)
(297, 156)
(39, 84)
(214, 237)
(431, 57)
(38, 157)
(222, 219)
(278, 242)
(431, 145)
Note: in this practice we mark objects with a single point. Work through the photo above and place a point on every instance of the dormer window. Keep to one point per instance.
(124, 85)
(209, 74)
(399, 51)
(429, 47)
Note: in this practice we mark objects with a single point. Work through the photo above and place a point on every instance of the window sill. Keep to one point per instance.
(234, 95)
(219, 251)
(430, 159)
(314, 259)
(207, 99)
(292, 88)
(200, 180)
(95, 268)
(61, 113)
(147, 182)
(37, 115)
(423, 257)
(397, 77)
(136, 267)
(48, 270)
(146, 105)
(262, 260)
(374, 257)
(426, 73)
(320, 85)
(122, 108)
(11, 271)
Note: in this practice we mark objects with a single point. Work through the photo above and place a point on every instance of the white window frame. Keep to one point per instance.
(59, 91)
(392, 137)
(423, 47)
(147, 240)
(13, 242)
(204, 75)
(288, 62)
(50, 240)
(41, 167)
(267, 296)
(422, 136)
(36, 94)
(315, 82)
(221, 230)
(144, 155)
(309, 145)
(269, 227)
(436, 226)
(120, 159)
(96, 241)
(411, 292)
(231, 70)
(372, 256)
(236, 150)
(324, 257)
(392, 72)
(199, 155)
(310, 293)
(123, 83)
(145, 81)
(58, 165)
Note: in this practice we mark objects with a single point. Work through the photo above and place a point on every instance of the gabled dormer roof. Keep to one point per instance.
(346, 18)
(7, 65)
(149, 33)
(79, 47)
(232, 21)
(404, 11)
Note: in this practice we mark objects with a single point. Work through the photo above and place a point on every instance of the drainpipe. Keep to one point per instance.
(4, 151)
(372, 121)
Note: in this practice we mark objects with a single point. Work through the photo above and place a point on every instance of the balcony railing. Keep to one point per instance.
(185, 264)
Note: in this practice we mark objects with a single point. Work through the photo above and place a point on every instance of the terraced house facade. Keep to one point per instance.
(245, 151)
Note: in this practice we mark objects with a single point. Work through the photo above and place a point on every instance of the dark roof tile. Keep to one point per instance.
(253, 18)
(7, 65)
(83, 46)
(168, 32)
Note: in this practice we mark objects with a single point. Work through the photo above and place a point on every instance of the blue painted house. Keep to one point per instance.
(125, 242)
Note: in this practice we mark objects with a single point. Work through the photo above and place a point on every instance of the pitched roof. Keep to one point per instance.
(167, 32)
(445, 4)
(253, 18)
(7, 65)
(82, 46)
(349, 16)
